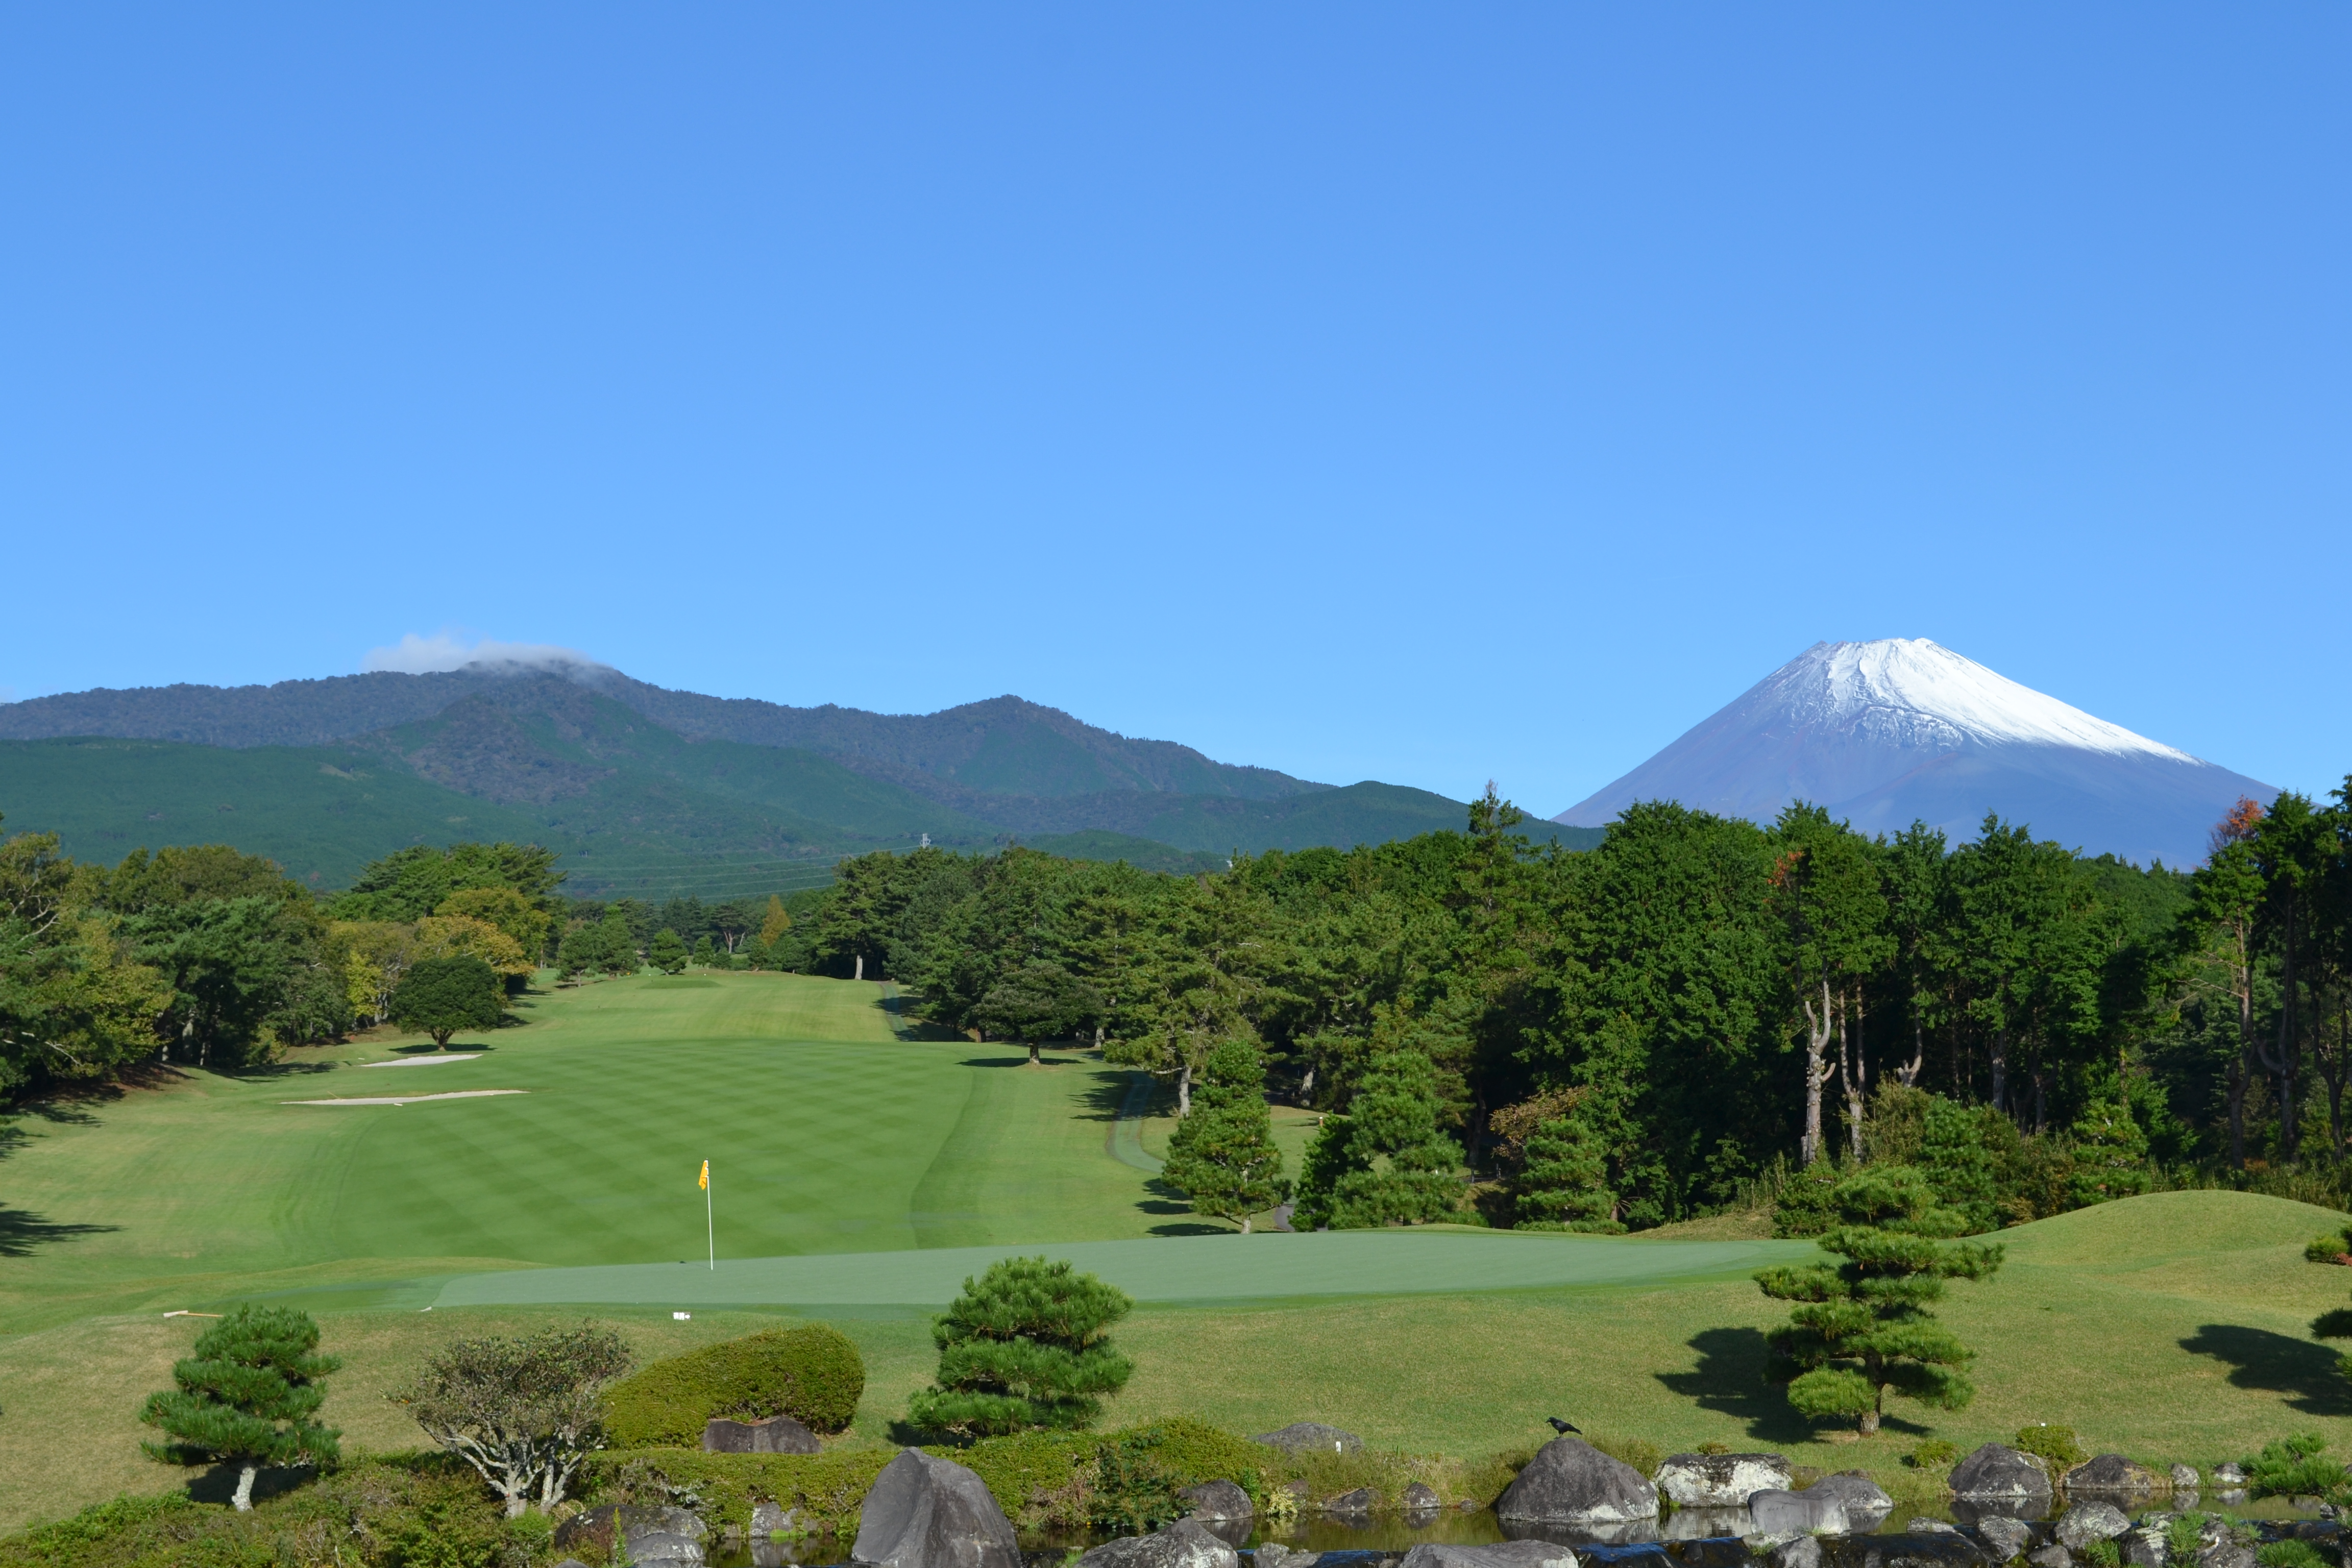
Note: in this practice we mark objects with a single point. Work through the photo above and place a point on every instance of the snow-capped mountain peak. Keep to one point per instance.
(1898, 731)
(1849, 682)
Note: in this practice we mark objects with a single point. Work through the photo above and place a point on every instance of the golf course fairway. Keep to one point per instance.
(859, 1176)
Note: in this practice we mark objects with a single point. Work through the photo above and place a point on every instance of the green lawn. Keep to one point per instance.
(2171, 1327)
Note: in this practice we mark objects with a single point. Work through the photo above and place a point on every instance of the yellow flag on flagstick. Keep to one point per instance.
(706, 1176)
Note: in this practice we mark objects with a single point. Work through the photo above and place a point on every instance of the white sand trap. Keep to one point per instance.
(410, 1098)
(425, 1061)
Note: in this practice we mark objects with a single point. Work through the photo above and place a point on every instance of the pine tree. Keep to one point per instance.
(1564, 1184)
(1864, 1327)
(246, 1398)
(1954, 1158)
(1222, 1156)
(617, 944)
(1026, 1345)
(667, 953)
(1386, 1162)
(2110, 1153)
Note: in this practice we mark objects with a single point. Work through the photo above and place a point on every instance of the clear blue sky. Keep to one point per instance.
(1426, 393)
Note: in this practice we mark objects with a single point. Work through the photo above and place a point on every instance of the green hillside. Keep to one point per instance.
(1143, 854)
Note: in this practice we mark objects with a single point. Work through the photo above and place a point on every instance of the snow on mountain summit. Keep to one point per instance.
(1899, 730)
(1912, 684)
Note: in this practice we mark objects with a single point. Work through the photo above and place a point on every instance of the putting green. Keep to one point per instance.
(1200, 1268)
(825, 1132)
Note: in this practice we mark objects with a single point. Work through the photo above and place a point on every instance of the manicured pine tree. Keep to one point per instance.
(1026, 1345)
(2110, 1152)
(247, 1397)
(706, 953)
(1222, 1156)
(1564, 1184)
(1386, 1162)
(668, 953)
(439, 997)
(1862, 1327)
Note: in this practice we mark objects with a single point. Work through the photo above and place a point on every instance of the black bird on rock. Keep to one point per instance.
(1560, 1426)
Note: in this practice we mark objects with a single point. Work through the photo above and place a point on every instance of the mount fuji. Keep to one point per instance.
(1899, 730)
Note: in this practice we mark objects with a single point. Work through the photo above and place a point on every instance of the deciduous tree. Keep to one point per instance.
(439, 997)
(524, 1412)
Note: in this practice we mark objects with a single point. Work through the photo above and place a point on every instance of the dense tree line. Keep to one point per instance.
(1645, 1031)
(204, 956)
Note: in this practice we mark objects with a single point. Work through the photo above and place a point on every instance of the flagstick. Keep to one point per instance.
(710, 1227)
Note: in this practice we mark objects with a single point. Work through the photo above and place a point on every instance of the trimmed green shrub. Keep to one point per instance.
(1934, 1454)
(812, 1374)
(2055, 1444)
(2330, 1248)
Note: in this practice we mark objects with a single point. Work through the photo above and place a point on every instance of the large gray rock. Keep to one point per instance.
(1867, 1506)
(1183, 1544)
(1720, 1480)
(1219, 1501)
(1357, 1504)
(1300, 1437)
(2112, 1475)
(1807, 1512)
(926, 1513)
(2228, 1554)
(1570, 1482)
(2229, 1473)
(2087, 1521)
(1994, 1473)
(2004, 1538)
(2184, 1478)
(1275, 1555)
(767, 1518)
(1419, 1499)
(1804, 1552)
(1931, 1527)
(2143, 1546)
(2050, 1556)
(1501, 1554)
(776, 1435)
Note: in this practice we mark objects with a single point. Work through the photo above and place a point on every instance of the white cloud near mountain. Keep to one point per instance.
(445, 650)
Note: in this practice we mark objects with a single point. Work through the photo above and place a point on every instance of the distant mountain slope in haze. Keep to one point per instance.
(1887, 733)
(643, 791)
(1004, 746)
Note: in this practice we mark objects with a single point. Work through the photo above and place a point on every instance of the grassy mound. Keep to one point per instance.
(812, 1374)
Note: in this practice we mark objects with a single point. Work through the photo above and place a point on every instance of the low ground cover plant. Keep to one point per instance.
(812, 1374)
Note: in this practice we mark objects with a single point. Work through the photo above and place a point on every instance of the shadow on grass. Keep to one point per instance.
(1165, 1199)
(22, 1231)
(2304, 1370)
(1113, 1095)
(218, 1484)
(1729, 1380)
(1020, 1061)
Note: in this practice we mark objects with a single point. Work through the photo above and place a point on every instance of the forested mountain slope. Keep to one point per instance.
(643, 791)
